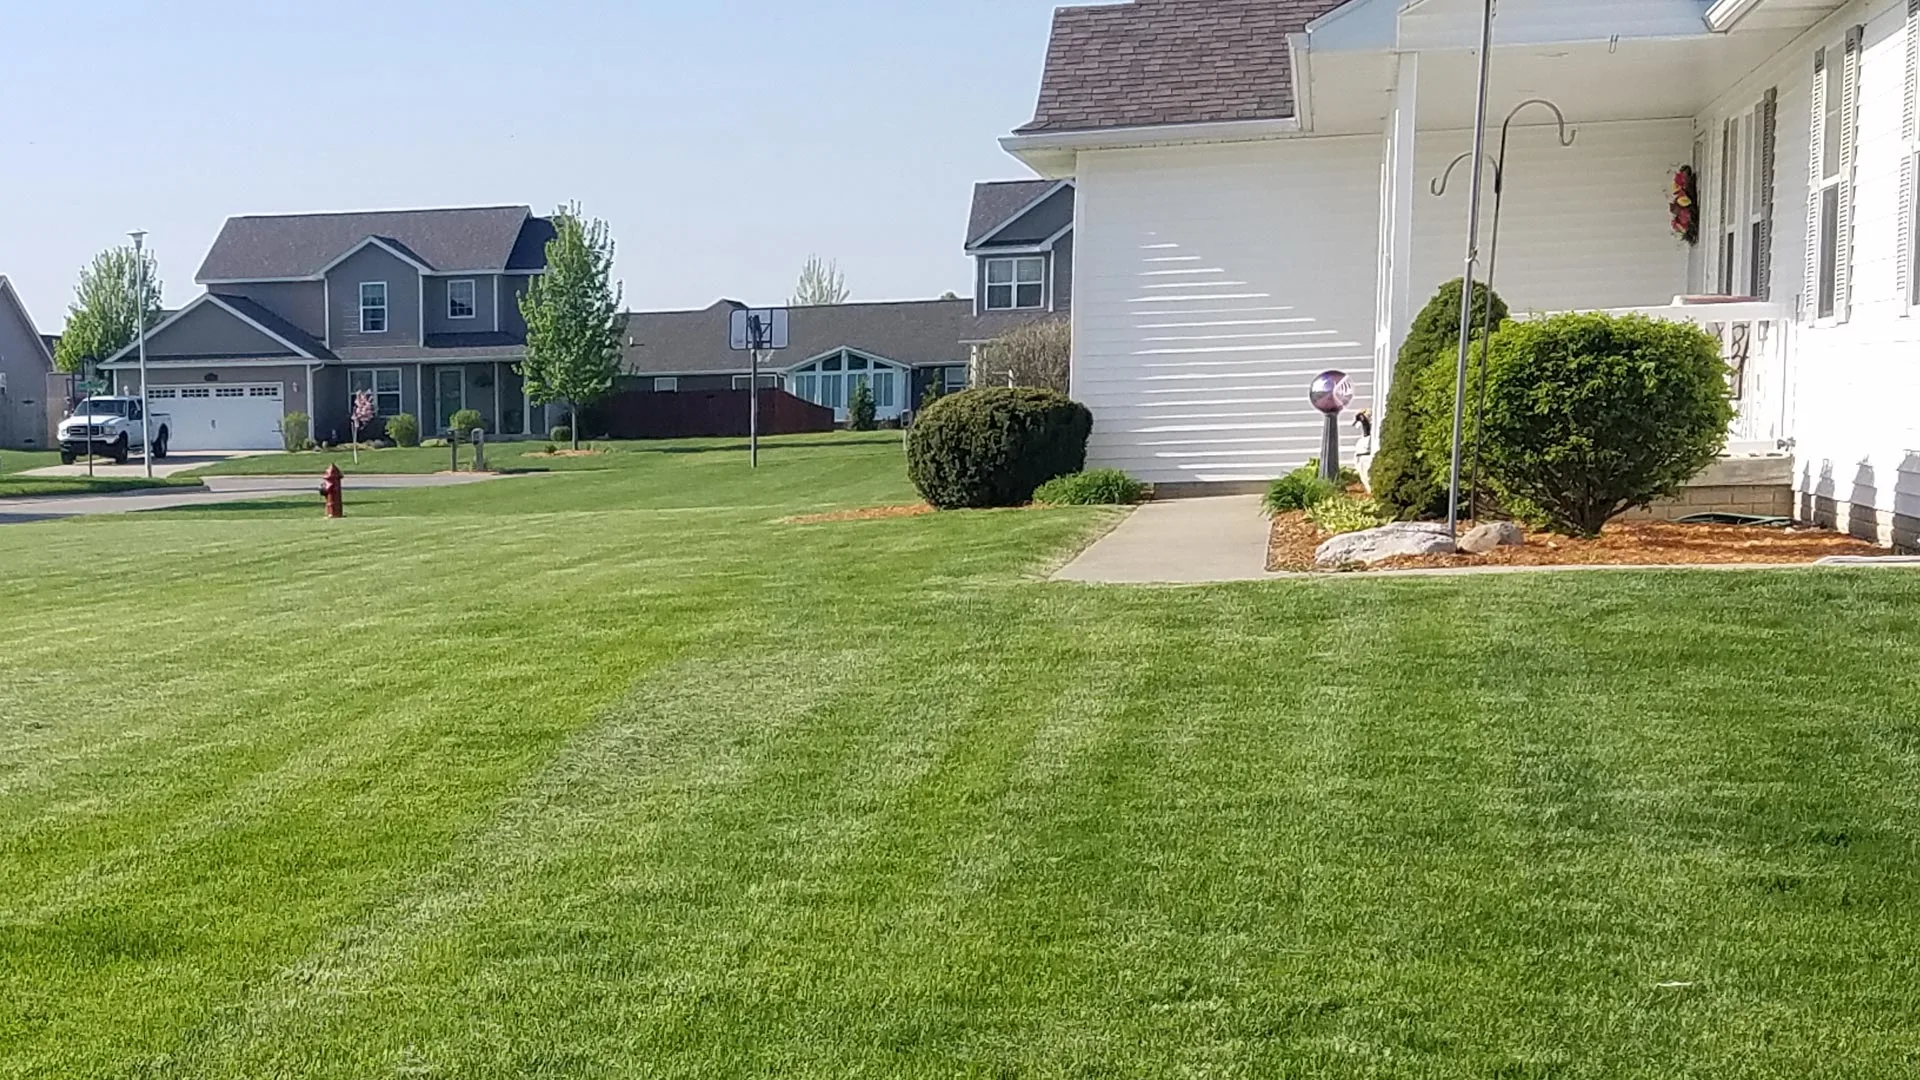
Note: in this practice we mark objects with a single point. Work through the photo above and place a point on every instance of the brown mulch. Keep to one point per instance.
(567, 453)
(871, 513)
(1626, 543)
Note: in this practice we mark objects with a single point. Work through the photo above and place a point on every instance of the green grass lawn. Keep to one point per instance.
(13, 485)
(609, 773)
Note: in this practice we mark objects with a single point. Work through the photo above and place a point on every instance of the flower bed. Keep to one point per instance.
(1623, 543)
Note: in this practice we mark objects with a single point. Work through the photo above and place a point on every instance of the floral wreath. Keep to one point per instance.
(1686, 204)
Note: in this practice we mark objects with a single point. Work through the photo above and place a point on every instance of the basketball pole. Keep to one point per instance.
(756, 336)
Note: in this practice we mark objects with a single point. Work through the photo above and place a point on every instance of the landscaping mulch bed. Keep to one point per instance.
(871, 513)
(1627, 543)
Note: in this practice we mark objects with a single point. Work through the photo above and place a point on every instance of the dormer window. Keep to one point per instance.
(460, 299)
(373, 307)
(1016, 284)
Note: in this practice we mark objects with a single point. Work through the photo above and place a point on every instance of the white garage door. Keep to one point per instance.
(223, 416)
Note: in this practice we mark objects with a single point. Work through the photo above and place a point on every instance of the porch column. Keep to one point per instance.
(498, 424)
(1393, 295)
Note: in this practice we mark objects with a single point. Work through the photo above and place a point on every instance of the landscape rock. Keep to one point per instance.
(1385, 542)
(1492, 535)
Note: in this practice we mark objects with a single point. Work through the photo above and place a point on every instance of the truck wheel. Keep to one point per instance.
(67, 457)
(119, 451)
(160, 446)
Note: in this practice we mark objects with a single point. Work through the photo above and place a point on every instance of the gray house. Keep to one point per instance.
(25, 362)
(1020, 235)
(896, 348)
(302, 312)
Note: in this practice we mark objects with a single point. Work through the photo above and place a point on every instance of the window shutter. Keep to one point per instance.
(1810, 285)
(1768, 117)
(1849, 149)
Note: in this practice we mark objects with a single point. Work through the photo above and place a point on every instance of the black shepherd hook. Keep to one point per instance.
(1439, 187)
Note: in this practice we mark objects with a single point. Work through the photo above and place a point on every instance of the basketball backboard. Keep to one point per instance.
(764, 329)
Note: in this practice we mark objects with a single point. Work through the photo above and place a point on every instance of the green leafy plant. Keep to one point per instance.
(465, 422)
(1346, 514)
(1403, 470)
(860, 408)
(1591, 415)
(573, 318)
(1300, 489)
(1095, 487)
(293, 432)
(561, 434)
(995, 447)
(403, 429)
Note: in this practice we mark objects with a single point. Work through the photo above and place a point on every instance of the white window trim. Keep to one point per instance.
(386, 308)
(373, 384)
(768, 381)
(666, 384)
(1843, 181)
(986, 286)
(473, 298)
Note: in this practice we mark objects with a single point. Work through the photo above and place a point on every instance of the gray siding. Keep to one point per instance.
(332, 412)
(1063, 273)
(212, 332)
(1040, 223)
(302, 303)
(372, 263)
(482, 322)
(512, 287)
(23, 404)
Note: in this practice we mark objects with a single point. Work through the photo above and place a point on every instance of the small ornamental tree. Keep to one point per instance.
(573, 319)
(1403, 472)
(362, 415)
(1591, 415)
(1033, 354)
(860, 408)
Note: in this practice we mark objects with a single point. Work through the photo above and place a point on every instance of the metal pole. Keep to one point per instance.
(753, 408)
(1472, 260)
(140, 312)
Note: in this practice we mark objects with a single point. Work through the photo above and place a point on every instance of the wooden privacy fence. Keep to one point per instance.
(638, 414)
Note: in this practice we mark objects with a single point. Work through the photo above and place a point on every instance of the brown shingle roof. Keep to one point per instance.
(1170, 62)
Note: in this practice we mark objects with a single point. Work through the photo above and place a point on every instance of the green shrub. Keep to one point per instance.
(1403, 472)
(860, 408)
(561, 434)
(1346, 514)
(1591, 415)
(465, 422)
(403, 429)
(1300, 489)
(293, 432)
(994, 447)
(1095, 487)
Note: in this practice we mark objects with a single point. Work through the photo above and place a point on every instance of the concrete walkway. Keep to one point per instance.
(134, 469)
(1179, 542)
(218, 490)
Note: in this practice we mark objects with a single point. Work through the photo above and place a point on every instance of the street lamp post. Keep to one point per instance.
(140, 336)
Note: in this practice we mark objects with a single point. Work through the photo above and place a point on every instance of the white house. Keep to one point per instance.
(1255, 205)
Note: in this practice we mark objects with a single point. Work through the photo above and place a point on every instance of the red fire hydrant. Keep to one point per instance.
(330, 485)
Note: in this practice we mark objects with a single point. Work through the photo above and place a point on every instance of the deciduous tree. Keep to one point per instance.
(105, 314)
(573, 318)
(821, 284)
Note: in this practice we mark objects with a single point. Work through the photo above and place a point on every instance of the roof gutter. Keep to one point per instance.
(1724, 15)
(1116, 138)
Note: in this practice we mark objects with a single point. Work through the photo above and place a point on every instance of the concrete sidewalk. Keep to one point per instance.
(173, 465)
(218, 490)
(1179, 542)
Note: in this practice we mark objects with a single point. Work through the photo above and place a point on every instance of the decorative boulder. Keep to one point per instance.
(1385, 542)
(1496, 534)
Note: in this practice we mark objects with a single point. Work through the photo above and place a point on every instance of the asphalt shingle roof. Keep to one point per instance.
(915, 332)
(1152, 62)
(996, 201)
(298, 245)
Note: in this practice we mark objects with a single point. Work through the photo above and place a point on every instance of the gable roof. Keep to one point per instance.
(296, 246)
(1152, 62)
(911, 332)
(996, 202)
(45, 341)
(259, 318)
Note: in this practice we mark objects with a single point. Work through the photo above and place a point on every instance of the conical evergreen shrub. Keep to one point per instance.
(1403, 480)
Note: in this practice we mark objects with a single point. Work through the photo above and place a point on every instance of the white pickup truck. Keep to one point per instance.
(110, 426)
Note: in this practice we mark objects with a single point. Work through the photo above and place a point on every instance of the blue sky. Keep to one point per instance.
(723, 140)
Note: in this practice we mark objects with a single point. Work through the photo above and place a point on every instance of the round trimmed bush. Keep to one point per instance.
(561, 434)
(1095, 487)
(1590, 415)
(465, 422)
(995, 447)
(403, 429)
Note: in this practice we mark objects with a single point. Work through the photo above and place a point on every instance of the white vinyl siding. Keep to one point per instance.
(1211, 284)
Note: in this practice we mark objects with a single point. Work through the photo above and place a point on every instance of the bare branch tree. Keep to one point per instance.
(1032, 354)
(821, 284)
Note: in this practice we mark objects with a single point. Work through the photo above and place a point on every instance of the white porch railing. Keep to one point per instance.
(1754, 339)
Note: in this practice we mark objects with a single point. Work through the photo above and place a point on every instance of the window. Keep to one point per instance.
(1836, 83)
(1913, 231)
(1730, 190)
(669, 384)
(460, 299)
(955, 379)
(767, 382)
(382, 383)
(1016, 284)
(373, 307)
(1742, 213)
(1831, 78)
(832, 380)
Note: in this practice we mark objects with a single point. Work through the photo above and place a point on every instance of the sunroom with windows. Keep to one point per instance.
(830, 380)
